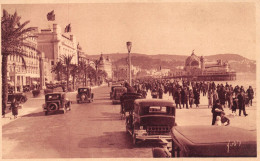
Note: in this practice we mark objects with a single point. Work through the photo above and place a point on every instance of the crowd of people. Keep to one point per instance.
(186, 94)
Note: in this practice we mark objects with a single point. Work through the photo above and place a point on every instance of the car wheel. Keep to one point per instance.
(46, 113)
(159, 153)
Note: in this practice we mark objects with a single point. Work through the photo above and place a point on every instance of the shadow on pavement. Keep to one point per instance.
(120, 140)
(107, 116)
(42, 114)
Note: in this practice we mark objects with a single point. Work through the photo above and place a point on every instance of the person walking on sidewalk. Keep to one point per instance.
(14, 108)
(241, 103)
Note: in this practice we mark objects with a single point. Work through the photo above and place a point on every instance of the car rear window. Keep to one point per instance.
(83, 90)
(165, 110)
(53, 97)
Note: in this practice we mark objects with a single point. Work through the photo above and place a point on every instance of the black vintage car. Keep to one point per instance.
(112, 89)
(117, 93)
(127, 102)
(151, 119)
(56, 102)
(209, 141)
(84, 95)
(20, 97)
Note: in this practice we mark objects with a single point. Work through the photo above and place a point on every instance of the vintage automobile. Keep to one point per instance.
(56, 102)
(26, 88)
(84, 95)
(20, 97)
(117, 93)
(151, 119)
(127, 102)
(112, 89)
(209, 141)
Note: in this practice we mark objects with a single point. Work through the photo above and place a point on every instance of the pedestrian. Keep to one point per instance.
(14, 108)
(215, 96)
(191, 98)
(160, 92)
(216, 111)
(210, 98)
(241, 103)
(184, 97)
(177, 97)
(234, 105)
(224, 120)
(196, 97)
(250, 93)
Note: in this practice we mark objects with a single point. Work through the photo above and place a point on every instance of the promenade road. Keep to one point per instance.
(91, 130)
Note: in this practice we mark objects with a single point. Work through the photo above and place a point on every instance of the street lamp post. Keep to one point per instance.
(129, 45)
(14, 78)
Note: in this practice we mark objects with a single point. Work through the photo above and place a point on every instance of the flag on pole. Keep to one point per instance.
(51, 16)
(68, 28)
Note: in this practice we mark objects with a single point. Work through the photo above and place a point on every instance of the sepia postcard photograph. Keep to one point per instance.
(129, 79)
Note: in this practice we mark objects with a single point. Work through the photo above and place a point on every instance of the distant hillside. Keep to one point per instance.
(237, 62)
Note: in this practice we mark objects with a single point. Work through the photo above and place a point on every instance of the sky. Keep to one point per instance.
(174, 28)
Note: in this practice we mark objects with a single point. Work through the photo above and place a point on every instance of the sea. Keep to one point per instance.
(243, 79)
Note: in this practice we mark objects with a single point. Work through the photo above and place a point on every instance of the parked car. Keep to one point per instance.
(56, 102)
(151, 119)
(84, 95)
(209, 141)
(117, 93)
(26, 88)
(20, 97)
(112, 90)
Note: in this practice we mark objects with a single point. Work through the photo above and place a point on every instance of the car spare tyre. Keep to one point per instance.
(83, 97)
(52, 107)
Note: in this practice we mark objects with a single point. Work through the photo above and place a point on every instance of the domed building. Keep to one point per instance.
(203, 69)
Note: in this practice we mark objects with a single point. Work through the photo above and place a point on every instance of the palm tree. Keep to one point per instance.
(13, 35)
(82, 69)
(67, 63)
(58, 69)
(73, 72)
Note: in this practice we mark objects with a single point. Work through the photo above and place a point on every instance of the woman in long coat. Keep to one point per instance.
(196, 97)
(14, 107)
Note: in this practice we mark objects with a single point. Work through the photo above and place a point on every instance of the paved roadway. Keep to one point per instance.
(89, 130)
(92, 130)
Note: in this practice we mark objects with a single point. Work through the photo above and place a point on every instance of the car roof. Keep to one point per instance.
(56, 93)
(119, 88)
(203, 134)
(154, 102)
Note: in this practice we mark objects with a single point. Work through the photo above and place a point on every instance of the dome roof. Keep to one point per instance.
(192, 58)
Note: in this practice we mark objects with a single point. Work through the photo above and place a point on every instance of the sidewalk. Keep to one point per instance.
(31, 105)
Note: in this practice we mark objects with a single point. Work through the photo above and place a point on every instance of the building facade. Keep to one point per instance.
(105, 64)
(56, 44)
(20, 76)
